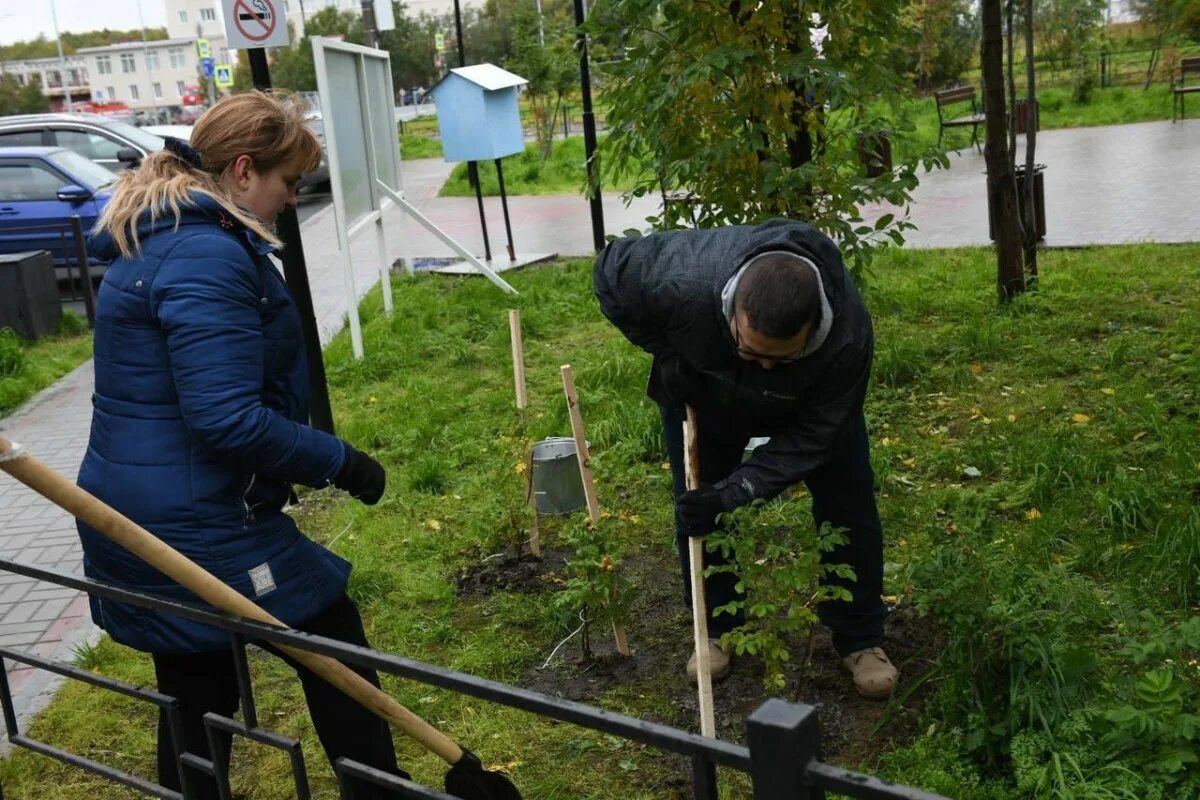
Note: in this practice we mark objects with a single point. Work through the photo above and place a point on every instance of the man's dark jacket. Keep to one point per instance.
(663, 291)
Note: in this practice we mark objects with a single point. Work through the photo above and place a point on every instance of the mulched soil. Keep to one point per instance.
(854, 731)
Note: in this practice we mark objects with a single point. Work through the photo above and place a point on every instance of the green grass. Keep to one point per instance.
(28, 367)
(525, 173)
(414, 146)
(1076, 404)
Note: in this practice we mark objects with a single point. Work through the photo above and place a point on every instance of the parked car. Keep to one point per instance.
(111, 143)
(41, 188)
(178, 131)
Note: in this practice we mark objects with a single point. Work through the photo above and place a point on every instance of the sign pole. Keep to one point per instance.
(295, 272)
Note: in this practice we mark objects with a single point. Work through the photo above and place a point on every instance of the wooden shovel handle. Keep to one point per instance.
(691, 456)
(166, 559)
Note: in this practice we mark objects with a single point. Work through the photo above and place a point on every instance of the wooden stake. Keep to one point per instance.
(708, 725)
(518, 355)
(585, 471)
(581, 448)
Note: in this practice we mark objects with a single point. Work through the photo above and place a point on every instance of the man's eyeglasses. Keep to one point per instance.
(737, 338)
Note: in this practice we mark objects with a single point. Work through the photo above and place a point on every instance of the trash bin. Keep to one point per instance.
(29, 302)
(1039, 200)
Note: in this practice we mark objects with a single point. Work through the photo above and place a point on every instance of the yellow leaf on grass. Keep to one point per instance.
(909, 462)
(1012, 417)
(1108, 390)
(1033, 514)
(372, 400)
(976, 369)
(1139, 435)
(1081, 419)
(433, 525)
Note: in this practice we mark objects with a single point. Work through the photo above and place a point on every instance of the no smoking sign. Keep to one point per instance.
(255, 23)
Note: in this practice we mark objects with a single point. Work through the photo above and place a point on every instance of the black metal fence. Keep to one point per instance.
(782, 756)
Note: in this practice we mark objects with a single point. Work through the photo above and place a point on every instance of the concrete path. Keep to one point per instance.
(1118, 184)
(1111, 185)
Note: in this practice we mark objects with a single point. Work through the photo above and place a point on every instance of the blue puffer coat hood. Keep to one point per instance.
(199, 426)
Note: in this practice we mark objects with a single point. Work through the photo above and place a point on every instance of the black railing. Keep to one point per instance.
(782, 757)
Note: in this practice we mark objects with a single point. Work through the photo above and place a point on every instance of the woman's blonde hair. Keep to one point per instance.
(267, 126)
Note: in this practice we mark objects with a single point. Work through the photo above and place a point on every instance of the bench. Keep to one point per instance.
(1188, 64)
(950, 97)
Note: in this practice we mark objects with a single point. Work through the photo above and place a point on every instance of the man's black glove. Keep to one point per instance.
(678, 382)
(699, 508)
(362, 476)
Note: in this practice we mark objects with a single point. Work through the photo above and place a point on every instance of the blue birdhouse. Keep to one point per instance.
(477, 113)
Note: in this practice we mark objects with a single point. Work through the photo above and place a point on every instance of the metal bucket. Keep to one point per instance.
(757, 441)
(557, 484)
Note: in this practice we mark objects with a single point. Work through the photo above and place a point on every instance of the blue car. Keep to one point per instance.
(41, 188)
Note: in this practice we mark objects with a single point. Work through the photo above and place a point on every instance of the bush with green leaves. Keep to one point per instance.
(595, 592)
(12, 354)
(777, 561)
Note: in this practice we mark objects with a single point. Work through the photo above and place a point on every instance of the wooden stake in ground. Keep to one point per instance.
(585, 470)
(518, 355)
(691, 447)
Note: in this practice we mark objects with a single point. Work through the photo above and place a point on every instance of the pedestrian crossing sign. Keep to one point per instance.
(224, 75)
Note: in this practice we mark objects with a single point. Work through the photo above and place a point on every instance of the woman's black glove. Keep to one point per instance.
(362, 476)
(699, 509)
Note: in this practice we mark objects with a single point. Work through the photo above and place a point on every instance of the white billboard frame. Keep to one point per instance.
(357, 137)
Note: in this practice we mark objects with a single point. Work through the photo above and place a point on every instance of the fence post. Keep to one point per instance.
(784, 739)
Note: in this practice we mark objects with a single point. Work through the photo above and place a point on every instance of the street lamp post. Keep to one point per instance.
(62, 74)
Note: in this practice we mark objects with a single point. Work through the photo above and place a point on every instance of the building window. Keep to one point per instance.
(151, 60)
(53, 79)
(112, 93)
(20, 79)
(183, 17)
(208, 15)
(224, 56)
(157, 87)
(127, 63)
(133, 92)
(179, 88)
(175, 54)
(104, 65)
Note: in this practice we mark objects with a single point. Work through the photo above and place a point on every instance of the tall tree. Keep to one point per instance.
(1164, 18)
(758, 109)
(1001, 182)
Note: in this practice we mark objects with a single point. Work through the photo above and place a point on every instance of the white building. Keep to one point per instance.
(144, 75)
(57, 77)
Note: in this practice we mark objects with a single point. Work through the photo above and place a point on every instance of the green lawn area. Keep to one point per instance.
(28, 367)
(1037, 479)
(525, 173)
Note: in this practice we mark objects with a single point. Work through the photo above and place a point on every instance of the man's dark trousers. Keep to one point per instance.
(843, 492)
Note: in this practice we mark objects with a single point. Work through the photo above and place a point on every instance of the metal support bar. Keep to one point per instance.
(215, 724)
(784, 742)
(350, 772)
(512, 256)
(241, 667)
(416, 214)
(704, 778)
(473, 174)
(81, 264)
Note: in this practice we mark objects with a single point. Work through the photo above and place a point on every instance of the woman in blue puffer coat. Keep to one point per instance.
(199, 427)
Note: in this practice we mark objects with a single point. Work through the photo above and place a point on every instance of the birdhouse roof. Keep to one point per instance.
(487, 76)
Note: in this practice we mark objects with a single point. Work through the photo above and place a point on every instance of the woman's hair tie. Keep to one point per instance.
(184, 152)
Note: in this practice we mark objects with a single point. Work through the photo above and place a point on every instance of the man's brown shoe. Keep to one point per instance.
(718, 662)
(874, 675)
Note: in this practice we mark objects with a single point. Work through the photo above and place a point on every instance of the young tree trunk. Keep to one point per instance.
(1029, 229)
(1158, 40)
(1001, 189)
